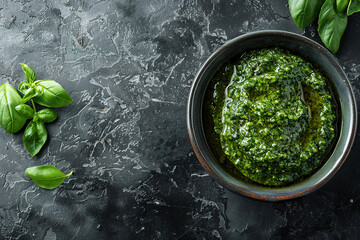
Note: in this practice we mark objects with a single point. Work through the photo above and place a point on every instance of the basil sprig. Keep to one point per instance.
(14, 113)
(332, 15)
(46, 176)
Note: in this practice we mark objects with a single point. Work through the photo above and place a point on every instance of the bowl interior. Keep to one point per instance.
(303, 47)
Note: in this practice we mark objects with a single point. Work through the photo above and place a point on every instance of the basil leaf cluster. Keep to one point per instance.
(332, 15)
(14, 113)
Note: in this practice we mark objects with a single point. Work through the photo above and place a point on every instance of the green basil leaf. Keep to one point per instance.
(29, 73)
(25, 111)
(51, 94)
(331, 25)
(24, 86)
(35, 136)
(304, 12)
(47, 115)
(46, 176)
(36, 118)
(354, 7)
(341, 5)
(10, 119)
(30, 93)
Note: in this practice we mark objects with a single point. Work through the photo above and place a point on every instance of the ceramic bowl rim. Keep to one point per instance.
(267, 194)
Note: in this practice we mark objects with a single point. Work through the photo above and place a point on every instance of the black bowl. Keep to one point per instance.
(302, 46)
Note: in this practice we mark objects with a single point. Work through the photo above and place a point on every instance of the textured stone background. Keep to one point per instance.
(129, 65)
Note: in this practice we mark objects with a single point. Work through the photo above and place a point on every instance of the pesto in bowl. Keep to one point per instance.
(274, 115)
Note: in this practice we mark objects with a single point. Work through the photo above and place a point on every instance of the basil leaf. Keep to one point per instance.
(341, 5)
(35, 136)
(47, 115)
(30, 93)
(10, 119)
(46, 176)
(304, 12)
(29, 73)
(331, 25)
(24, 86)
(51, 94)
(354, 6)
(25, 111)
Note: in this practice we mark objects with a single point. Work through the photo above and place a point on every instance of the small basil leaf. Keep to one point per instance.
(24, 86)
(10, 119)
(354, 7)
(331, 25)
(36, 117)
(304, 12)
(46, 176)
(25, 111)
(47, 115)
(341, 5)
(51, 94)
(29, 73)
(35, 136)
(30, 93)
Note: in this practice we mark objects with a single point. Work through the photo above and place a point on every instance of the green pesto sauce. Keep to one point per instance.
(274, 115)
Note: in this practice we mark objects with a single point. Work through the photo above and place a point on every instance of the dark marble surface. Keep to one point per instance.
(129, 65)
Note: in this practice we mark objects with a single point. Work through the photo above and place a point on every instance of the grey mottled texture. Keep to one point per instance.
(129, 66)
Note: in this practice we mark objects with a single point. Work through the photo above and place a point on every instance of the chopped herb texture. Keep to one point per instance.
(275, 116)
